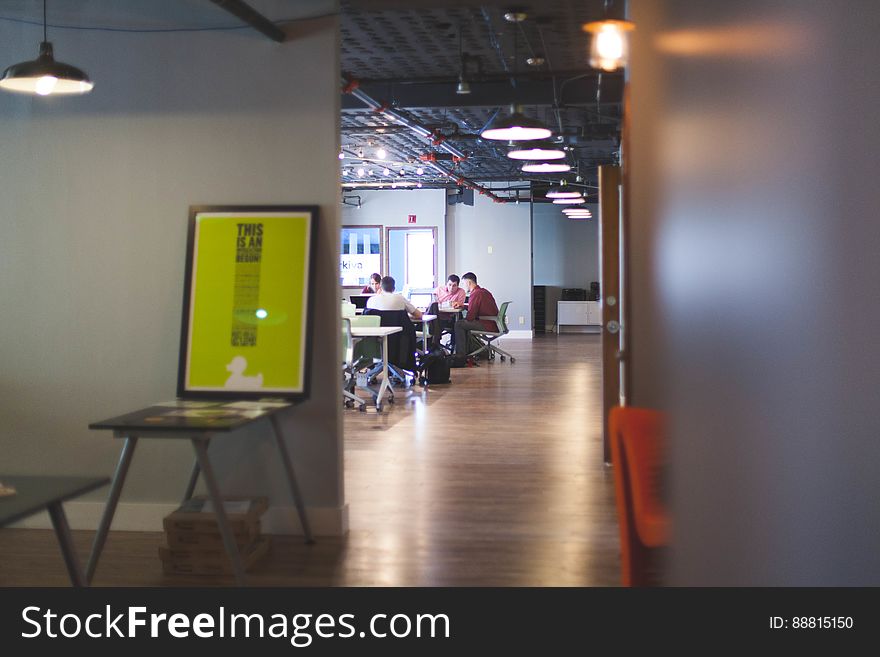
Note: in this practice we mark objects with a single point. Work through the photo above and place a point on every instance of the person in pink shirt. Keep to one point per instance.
(451, 294)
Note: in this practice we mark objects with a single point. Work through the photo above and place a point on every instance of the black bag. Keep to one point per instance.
(435, 368)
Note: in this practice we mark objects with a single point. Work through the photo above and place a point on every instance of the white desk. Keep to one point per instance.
(378, 332)
(426, 319)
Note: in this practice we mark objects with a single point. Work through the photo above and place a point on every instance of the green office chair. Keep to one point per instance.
(487, 338)
(356, 357)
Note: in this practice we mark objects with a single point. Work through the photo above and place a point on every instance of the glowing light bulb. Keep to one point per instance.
(609, 49)
(46, 84)
(386, 171)
(361, 172)
(261, 313)
(341, 155)
(420, 171)
(381, 154)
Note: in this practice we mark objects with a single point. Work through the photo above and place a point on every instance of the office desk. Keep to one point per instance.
(46, 493)
(378, 332)
(425, 320)
(198, 422)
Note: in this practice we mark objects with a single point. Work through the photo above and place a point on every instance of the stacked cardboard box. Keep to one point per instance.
(195, 546)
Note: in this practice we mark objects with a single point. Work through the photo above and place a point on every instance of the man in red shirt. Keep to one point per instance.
(480, 304)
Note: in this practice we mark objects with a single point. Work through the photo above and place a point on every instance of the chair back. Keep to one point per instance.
(347, 346)
(365, 321)
(401, 346)
(637, 452)
(348, 309)
(502, 318)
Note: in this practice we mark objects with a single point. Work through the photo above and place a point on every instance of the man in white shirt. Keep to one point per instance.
(388, 300)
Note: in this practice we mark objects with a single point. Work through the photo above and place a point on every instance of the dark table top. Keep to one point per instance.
(34, 494)
(185, 416)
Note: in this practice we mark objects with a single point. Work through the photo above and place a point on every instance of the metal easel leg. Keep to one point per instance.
(291, 479)
(201, 447)
(110, 508)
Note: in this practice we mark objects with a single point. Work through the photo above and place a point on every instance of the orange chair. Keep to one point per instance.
(637, 453)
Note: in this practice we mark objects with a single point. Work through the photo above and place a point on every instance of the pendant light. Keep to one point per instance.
(609, 46)
(45, 76)
(540, 151)
(516, 126)
(546, 167)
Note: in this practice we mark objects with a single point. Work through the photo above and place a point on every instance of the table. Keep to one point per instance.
(198, 422)
(46, 493)
(426, 319)
(378, 332)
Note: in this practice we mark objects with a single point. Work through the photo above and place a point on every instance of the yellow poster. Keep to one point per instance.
(246, 327)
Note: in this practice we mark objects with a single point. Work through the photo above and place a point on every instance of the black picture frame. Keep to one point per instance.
(198, 294)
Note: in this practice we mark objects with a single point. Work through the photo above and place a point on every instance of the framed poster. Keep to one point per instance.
(247, 302)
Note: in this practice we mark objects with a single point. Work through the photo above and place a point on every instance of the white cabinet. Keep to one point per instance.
(578, 313)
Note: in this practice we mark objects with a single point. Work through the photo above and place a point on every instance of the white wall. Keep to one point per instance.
(392, 207)
(507, 271)
(94, 218)
(566, 252)
(754, 277)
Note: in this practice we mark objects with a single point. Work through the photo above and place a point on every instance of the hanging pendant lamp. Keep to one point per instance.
(539, 151)
(44, 75)
(516, 126)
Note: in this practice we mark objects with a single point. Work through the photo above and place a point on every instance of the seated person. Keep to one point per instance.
(372, 286)
(448, 295)
(482, 304)
(388, 300)
(451, 294)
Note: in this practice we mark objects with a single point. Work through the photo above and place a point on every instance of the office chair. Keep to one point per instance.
(487, 338)
(402, 365)
(637, 452)
(357, 358)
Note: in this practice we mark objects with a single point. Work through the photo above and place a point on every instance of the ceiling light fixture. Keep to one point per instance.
(546, 167)
(558, 193)
(386, 171)
(609, 47)
(516, 126)
(568, 201)
(420, 171)
(45, 76)
(341, 155)
(361, 172)
(543, 151)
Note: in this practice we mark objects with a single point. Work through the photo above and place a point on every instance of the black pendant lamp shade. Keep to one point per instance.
(516, 126)
(44, 75)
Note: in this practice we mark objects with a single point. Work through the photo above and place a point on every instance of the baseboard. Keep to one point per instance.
(135, 517)
(518, 335)
(579, 328)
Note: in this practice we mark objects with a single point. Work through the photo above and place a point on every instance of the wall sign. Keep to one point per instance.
(247, 302)
(411, 218)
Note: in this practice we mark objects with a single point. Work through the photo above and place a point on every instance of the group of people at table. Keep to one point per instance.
(456, 295)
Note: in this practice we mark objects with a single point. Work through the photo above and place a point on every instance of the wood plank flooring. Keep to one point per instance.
(494, 479)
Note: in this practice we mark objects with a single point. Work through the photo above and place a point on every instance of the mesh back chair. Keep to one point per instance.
(356, 357)
(348, 375)
(637, 452)
(402, 346)
(487, 338)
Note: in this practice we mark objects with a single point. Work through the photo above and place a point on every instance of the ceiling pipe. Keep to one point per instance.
(350, 86)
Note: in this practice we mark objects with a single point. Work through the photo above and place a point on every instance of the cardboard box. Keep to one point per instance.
(210, 562)
(196, 515)
(208, 540)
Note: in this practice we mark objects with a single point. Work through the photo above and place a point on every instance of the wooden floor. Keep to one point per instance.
(494, 479)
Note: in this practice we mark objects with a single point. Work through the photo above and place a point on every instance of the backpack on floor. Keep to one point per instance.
(435, 368)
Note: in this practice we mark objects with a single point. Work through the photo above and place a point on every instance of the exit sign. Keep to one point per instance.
(411, 219)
